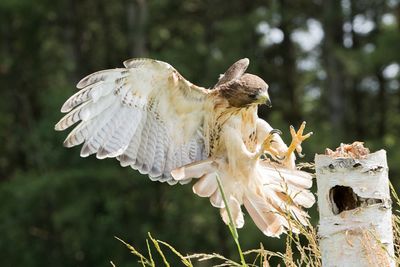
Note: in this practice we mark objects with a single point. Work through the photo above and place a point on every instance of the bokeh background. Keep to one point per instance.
(332, 63)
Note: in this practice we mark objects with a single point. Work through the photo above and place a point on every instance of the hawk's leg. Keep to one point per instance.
(297, 139)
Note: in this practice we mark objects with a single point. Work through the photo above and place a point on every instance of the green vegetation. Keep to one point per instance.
(58, 209)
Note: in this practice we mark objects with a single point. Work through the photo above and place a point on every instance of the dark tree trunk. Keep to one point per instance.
(357, 107)
(137, 19)
(382, 104)
(106, 33)
(293, 114)
(335, 82)
(73, 41)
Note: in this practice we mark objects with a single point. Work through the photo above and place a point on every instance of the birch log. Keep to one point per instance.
(355, 227)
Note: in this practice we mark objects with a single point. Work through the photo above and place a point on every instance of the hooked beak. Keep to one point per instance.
(264, 99)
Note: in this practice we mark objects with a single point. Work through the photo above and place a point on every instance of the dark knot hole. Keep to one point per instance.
(343, 198)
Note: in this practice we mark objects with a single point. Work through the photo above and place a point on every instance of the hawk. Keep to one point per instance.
(147, 116)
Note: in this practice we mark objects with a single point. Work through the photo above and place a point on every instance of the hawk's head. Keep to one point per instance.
(243, 89)
(248, 90)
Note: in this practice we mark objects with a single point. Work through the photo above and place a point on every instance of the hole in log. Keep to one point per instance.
(357, 165)
(343, 198)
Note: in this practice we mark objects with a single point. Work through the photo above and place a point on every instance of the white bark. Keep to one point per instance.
(354, 203)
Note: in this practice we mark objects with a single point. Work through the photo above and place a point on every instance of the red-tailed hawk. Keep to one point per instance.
(150, 118)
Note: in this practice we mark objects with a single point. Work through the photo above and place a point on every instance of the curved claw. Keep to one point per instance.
(275, 131)
(301, 155)
(273, 155)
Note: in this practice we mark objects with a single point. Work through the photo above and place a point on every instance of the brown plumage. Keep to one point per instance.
(245, 91)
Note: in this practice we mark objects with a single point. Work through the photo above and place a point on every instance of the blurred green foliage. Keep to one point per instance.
(332, 63)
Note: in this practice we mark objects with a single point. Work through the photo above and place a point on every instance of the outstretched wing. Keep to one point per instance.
(146, 115)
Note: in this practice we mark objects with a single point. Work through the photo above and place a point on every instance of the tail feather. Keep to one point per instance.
(217, 200)
(300, 215)
(304, 198)
(236, 213)
(194, 170)
(267, 219)
(288, 190)
(206, 185)
(293, 177)
(294, 184)
(296, 196)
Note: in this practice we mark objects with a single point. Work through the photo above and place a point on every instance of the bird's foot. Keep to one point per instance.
(297, 139)
(266, 147)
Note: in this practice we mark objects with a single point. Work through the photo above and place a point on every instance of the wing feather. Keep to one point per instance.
(148, 161)
(77, 136)
(97, 133)
(127, 131)
(136, 141)
(161, 154)
(109, 129)
(116, 145)
(103, 75)
(146, 115)
(143, 147)
(93, 91)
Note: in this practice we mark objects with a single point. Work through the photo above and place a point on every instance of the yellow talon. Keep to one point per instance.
(297, 139)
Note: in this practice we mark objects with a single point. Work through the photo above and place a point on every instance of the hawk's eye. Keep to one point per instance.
(253, 95)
